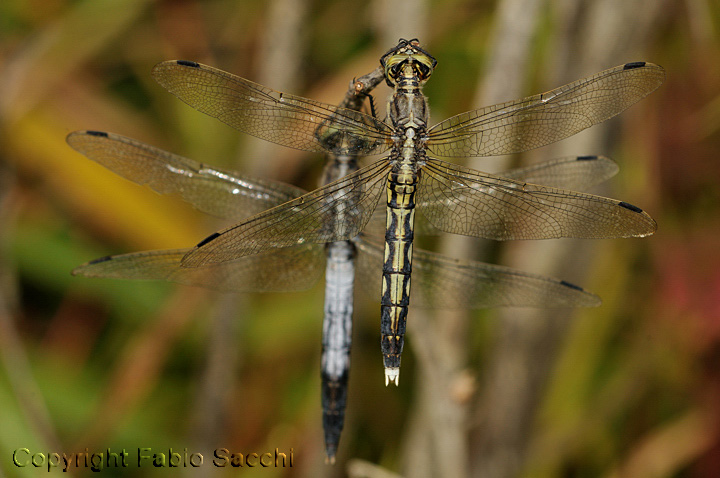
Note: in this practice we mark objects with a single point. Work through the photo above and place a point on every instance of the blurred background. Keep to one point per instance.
(630, 389)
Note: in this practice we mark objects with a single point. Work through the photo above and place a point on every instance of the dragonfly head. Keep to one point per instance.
(407, 60)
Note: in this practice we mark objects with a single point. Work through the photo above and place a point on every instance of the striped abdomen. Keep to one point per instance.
(397, 267)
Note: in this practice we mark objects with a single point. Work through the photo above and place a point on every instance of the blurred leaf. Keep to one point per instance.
(56, 50)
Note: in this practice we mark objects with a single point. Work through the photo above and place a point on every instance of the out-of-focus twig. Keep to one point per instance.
(280, 53)
(439, 421)
(218, 377)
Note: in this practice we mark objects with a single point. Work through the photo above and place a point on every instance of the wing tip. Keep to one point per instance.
(590, 299)
(85, 132)
(81, 270)
(189, 63)
(657, 70)
(593, 300)
(157, 70)
(572, 286)
(651, 222)
(208, 239)
(634, 64)
(99, 260)
(630, 207)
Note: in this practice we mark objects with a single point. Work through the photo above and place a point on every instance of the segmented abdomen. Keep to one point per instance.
(397, 267)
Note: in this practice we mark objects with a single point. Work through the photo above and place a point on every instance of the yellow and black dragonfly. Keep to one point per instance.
(451, 198)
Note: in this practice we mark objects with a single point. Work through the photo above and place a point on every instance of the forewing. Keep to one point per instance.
(460, 200)
(542, 119)
(211, 190)
(442, 282)
(336, 212)
(277, 117)
(292, 268)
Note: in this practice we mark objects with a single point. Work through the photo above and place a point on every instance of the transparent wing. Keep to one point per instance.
(336, 212)
(460, 200)
(542, 119)
(212, 190)
(377, 225)
(277, 117)
(442, 282)
(292, 268)
(573, 172)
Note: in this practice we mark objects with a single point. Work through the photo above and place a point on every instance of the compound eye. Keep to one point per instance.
(424, 70)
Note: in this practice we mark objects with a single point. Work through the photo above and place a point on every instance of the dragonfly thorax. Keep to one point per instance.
(408, 109)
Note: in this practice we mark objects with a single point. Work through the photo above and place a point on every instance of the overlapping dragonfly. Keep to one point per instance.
(439, 281)
(452, 198)
(229, 194)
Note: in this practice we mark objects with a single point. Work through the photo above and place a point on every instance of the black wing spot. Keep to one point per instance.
(587, 158)
(571, 285)
(188, 63)
(211, 237)
(99, 260)
(634, 64)
(629, 206)
(101, 134)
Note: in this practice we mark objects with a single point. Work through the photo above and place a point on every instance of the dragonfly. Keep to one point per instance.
(439, 281)
(231, 195)
(451, 198)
